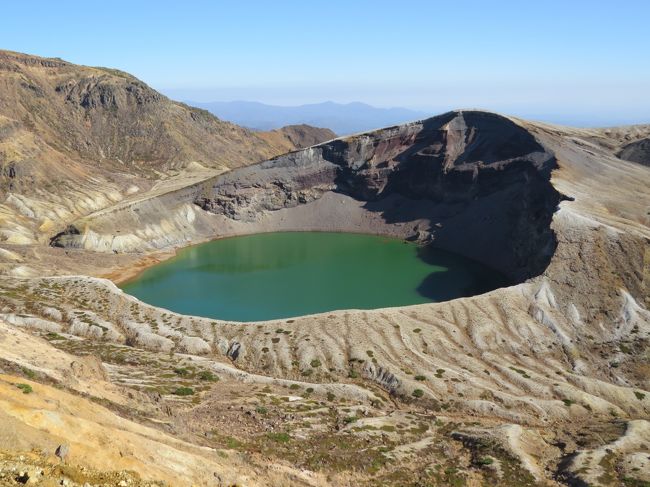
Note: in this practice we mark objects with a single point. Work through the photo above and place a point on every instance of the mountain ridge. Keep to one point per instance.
(342, 118)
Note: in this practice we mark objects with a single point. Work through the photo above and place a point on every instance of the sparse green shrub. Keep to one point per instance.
(315, 363)
(350, 419)
(183, 372)
(639, 395)
(29, 373)
(624, 348)
(330, 396)
(261, 410)
(233, 443)
(26, 388)
(183, 391)
(420, 377)
(278, 437)
(417, 330)
(418, 393)
(294, 387)
(521, 372)
(208, 376)
(485, 461)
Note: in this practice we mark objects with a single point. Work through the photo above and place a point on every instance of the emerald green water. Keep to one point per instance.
(280, 275)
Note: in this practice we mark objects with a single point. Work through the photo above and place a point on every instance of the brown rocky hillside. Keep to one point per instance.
(75, 139)
(297, 136)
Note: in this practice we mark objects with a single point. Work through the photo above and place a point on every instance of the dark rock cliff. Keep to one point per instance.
(637, 151)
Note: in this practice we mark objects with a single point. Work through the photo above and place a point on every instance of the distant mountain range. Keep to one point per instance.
(341, 118)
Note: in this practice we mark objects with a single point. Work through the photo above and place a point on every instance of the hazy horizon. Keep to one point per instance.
(580, 120)
(577, 63)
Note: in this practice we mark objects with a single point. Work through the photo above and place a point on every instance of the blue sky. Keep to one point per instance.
(571, 61)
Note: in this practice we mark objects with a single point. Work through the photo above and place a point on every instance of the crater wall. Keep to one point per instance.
(470, 182)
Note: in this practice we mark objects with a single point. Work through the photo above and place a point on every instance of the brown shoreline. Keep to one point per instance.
(122, 274)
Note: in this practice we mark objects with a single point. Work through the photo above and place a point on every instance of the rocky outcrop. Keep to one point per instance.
(637, 151)
(292, 137)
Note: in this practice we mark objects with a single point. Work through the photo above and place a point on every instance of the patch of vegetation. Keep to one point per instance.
(486, 451)
(639, 395)
(261, 410)
(608, 464)
(568, 402)
(632, 482)
(330, 396)
(29, 373)
(315, 363)
(521, 372)
(233, 443)
(485, 461)
(294, 387)
(417, 393)
(182, 371)
(278, 437)
(439, 373)
(420, 377)
(26, 388)
(208, 376)
(350, 419)
(417, 330)
(183, 391)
